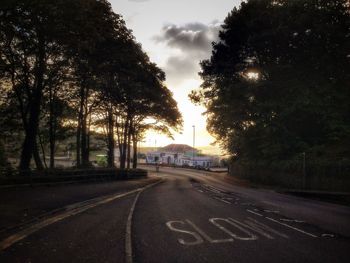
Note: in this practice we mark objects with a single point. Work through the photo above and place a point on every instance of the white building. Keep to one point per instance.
(180, 155)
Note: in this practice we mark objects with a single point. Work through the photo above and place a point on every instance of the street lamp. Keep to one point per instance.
(194, 138)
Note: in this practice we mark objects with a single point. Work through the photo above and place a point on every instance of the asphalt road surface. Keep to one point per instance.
(186, 217)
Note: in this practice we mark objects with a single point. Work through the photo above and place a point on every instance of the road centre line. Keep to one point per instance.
(294, 228)
(128, 238)
(70, 210)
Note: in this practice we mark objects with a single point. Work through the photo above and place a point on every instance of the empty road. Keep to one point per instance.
(186, 216)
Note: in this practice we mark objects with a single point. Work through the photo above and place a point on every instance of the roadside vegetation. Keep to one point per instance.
(72, 71)
(277, 91)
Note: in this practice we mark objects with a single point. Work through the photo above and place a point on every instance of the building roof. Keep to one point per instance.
(178, 148)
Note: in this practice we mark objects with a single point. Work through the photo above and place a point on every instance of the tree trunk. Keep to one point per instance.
(134, 144)
(52, 153)
(111, 143)
(129, 147)
(85, 130)
(79, 127)
(84, 150)
(78, 143)
(51, 129)
(119, 139)
(29, 143)
(38, 163)
(124, 144)
(31, 133)
(42, 149)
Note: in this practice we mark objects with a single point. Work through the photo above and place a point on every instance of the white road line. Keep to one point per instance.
(291, 220)
(255, 213)
(227, 202)
(75, 209)
(294, 228)
(261, 225)
(208, 238)
(128, 238)
(271, 211)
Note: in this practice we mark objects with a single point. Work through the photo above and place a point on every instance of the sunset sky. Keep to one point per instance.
(177, 35)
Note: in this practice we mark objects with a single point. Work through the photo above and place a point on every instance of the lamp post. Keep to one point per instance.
(194, 138)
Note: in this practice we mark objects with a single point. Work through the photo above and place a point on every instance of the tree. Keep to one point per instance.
(72, 62)
(276, 83)
(37, 39)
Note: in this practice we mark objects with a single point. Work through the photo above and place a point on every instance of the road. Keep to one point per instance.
(186, 217)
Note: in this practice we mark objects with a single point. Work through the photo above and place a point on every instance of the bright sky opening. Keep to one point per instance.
(177, 35)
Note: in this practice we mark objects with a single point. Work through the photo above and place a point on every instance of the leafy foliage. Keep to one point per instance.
(73, 64)
(277, 83)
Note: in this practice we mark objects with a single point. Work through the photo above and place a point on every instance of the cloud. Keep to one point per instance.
(193, 36)
(192, 42)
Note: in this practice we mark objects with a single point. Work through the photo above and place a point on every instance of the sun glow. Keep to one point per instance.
(251, 75)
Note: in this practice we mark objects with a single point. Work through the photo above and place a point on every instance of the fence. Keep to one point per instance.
(302, 173)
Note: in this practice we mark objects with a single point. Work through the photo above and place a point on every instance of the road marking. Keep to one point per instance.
(255, 213)
(128, 238)
(294, 228)
(71, 210)
(213, 189)
(198, 238)
(251, 236)
(208, 238)
(291, 220)
(250, 227)
(258, 226)
(271, 211)
(328, 235)
(217, 198)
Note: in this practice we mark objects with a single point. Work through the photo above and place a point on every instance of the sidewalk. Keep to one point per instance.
(24, 204)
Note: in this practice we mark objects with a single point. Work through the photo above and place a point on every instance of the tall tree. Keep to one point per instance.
(276, 84)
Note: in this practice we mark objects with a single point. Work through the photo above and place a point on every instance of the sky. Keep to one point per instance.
(177, 35)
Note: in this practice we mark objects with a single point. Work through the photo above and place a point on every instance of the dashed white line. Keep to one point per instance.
(272, 211)
(255, 213)
(292, 220)
(227, 202)
(294, 228)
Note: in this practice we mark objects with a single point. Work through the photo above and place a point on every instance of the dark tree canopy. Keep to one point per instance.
(278, 81)
(73, 64)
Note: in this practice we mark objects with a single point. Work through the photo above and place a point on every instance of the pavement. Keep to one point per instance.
(177, 216)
